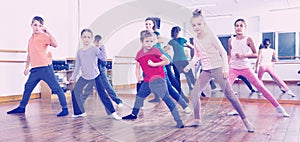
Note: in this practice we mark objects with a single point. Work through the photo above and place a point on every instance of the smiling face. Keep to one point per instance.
(149, 24)
(198, 24)
(36, 26)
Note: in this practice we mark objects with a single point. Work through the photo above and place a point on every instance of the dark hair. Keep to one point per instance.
(261, 46)
(154, 23)
(197, 13)
(97, 38)
(266, 40)
(240, 19)
(38, 18)
(175, 31)
(144, 34)
(86, 30)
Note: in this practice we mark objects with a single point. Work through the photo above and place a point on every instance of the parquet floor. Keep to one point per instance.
(154, 122)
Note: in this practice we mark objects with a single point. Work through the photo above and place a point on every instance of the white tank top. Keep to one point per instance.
(241, 47)
(266, 56)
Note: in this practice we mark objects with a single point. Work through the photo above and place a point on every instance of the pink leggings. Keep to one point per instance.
(269, 69)
(253, 79)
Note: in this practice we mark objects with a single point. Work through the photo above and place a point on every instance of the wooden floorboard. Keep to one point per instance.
(154, 123)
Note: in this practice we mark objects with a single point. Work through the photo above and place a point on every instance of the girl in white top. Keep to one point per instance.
(264, 64)
(240, 49)
(214, 64)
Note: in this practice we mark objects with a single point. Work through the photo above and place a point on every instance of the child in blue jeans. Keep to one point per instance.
(40, 61)
(151, 60)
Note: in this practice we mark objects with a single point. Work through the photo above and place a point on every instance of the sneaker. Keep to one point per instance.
(282, 90)
(232, 113)
(179, 125)
(120, 105)
(17, 110)
(130, 117)
(280, 109)
(64, 112)
(290, 93)
(79, 115)
(187, 110)
(194, 123)
(202, 94)
(116, 116)
(248, 125)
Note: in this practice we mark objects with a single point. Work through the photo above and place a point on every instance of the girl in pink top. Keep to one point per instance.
(240, 49)
(214, 64)
(264, 64)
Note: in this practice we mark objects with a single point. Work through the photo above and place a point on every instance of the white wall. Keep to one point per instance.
(61, 20)
(118, 21)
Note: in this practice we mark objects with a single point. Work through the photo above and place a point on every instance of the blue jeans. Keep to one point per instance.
(158, 87)
(175, 95)
(107, 86)
(77, 91)
(45, 73)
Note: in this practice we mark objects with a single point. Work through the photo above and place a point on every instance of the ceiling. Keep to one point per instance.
(238, 8)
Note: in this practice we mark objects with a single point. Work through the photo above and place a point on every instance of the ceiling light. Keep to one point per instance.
(211, 17)
(202, 5)
(284, 9)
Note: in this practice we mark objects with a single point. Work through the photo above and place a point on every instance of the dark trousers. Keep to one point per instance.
(45, 73)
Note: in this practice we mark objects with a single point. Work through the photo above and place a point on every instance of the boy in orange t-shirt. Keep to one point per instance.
(40, 61)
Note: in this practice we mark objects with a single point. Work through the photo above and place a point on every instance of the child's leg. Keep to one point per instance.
(32, 81)
(175, 95)
(172, 78)
(159, 87)
(143, 92)
(109, 108)
(49, 78)
(226, 87)
(78, 107)
(246, 82)
(250, 75)
(110, 90)
(202, 81)
(233, 74)
(276, 78)
(87, 91)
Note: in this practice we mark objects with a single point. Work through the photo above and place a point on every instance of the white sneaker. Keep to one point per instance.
(232, 113)
(290, 93)
(116, 116)
(120, 105)
(187, 110)
(194, 123)
(280, 109)
(79, 115)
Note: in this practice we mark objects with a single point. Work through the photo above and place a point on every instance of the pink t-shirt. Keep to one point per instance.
(150, 73)
(37, 50)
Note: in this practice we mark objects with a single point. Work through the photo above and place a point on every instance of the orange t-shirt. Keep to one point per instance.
(37, 50)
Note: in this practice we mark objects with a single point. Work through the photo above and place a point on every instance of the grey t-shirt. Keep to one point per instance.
(86, 62)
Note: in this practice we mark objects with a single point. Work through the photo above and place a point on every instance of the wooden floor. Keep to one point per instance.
(154, 122)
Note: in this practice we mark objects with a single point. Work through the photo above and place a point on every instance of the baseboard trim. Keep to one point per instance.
(295, 102)
(18, 97)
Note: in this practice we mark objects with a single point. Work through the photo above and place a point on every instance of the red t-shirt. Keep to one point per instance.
(150, 73)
